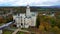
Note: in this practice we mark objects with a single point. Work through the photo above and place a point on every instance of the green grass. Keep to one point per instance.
(1, 24)
(20, 32)
(7, 32)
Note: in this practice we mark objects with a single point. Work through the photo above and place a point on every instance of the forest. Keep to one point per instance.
(49, 24)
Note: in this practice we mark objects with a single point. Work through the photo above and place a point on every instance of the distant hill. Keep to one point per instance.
(33, 8)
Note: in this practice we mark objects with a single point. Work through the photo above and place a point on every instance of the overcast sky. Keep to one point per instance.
(30, 2)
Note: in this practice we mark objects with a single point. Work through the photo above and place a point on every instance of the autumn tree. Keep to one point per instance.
(55, 30)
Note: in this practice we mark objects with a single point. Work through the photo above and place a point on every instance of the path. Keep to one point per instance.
(20, 30)
(15, 31)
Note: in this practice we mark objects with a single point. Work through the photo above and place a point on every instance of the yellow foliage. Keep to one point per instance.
(56, 28)
(48, 27)
(41, 27)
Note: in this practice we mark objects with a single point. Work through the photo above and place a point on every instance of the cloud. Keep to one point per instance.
(30, 2)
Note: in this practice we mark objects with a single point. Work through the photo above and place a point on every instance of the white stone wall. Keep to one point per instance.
(33, 21)
(27, 22)
(14, 17)
(22, 20)
(17, 21)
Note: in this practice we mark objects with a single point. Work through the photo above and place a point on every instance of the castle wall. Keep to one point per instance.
(25, 20)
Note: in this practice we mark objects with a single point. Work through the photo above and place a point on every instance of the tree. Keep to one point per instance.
(55, 30)
(41, 27)
(52, 21)
(38, 21)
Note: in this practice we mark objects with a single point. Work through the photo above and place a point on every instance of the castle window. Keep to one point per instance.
(21, 23)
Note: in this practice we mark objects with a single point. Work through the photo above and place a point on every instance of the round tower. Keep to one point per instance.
(28, 11)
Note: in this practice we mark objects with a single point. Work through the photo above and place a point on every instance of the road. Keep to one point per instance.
(5, 25)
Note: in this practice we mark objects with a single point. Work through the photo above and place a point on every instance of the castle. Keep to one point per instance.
(24, 20)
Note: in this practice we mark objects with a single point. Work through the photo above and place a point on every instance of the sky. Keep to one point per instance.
(30, 2)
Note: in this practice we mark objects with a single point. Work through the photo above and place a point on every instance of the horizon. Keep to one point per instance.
(30, 2)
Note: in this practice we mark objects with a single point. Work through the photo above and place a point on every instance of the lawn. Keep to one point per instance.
(19, 32)
(1, 24)
(7, 32)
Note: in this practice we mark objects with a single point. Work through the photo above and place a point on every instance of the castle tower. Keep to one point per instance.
(28, 11)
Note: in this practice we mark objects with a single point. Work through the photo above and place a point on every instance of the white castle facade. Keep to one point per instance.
(24, 20)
